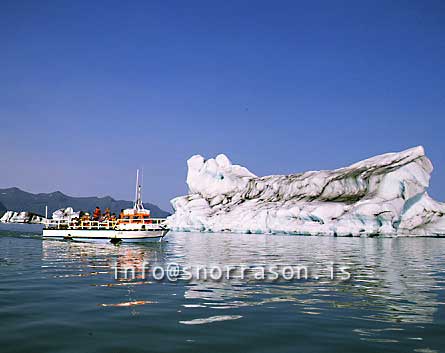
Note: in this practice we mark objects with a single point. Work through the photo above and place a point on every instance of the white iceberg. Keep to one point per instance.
(65, 214)
(383, 195)
(20, 217)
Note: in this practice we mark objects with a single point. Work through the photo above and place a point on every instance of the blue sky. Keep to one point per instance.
(92, 90)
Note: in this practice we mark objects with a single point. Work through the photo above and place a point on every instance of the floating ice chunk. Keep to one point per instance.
(211, 319)
(20, 217)
(65, 214)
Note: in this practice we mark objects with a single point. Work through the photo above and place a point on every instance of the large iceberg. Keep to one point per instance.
(383, 195)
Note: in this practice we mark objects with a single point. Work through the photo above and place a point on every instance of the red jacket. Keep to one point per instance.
(96, 213)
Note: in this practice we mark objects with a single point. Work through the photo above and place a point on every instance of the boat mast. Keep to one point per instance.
(138, 197)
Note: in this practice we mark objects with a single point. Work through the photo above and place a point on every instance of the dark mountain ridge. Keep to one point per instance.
(15, 199)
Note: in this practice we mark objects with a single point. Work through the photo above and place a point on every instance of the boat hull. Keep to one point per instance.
(105, 235)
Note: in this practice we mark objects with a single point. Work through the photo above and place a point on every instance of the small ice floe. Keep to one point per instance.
(211, 319)
(193, 306)
(133, 303)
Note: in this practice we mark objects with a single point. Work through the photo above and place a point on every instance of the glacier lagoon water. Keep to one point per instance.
(63, 297)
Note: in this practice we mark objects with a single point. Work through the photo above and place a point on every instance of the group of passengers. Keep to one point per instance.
(99, 216)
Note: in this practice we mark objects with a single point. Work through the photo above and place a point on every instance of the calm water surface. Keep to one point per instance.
(64, 297)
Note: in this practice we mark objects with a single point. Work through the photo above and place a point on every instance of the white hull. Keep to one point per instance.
(105, 235)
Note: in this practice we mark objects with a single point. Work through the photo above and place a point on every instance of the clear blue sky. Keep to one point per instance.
(91, 90)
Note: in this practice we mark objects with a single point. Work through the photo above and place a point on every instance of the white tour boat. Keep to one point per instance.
(133, 225)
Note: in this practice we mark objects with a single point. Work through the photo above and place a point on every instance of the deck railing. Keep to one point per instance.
(141, 221)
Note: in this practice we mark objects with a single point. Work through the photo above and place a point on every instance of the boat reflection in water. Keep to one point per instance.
(393, 281)
(90, 259)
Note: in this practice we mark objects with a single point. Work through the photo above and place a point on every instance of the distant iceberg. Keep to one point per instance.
(383, 195)
(65, 214)
(20, 217)
(28, 217)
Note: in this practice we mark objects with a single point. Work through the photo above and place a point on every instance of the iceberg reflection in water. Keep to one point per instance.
(395, 292)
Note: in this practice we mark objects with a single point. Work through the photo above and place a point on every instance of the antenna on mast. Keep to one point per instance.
(136, 193)
(142, 178)
(138, 198)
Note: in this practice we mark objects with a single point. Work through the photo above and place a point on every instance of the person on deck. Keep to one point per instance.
(96, 214)
(85, 217)
(106, 216)
(113, 217)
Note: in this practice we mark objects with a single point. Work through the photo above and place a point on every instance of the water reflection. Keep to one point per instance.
(394, 281)
(92, 259)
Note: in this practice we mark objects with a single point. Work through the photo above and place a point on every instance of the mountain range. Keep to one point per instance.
(15, 199)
